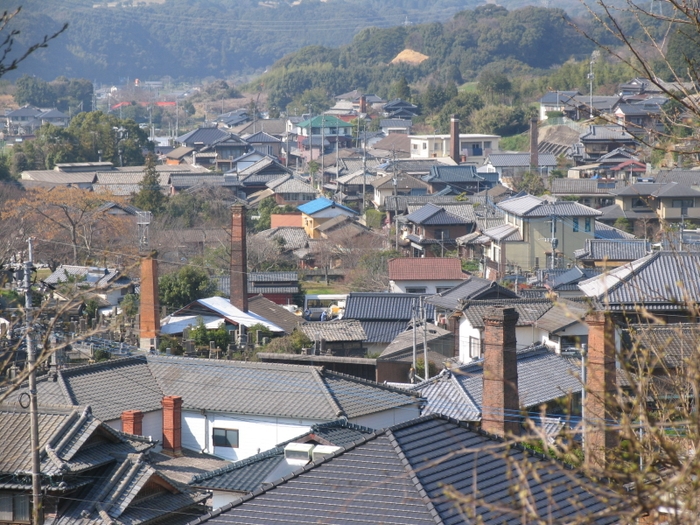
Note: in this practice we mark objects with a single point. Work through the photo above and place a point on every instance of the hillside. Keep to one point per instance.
(187, 39)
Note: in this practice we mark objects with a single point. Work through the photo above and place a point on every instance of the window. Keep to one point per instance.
(415, 146)
(487, 144)
(14, 507)
(682, 203)
(588, 225)
(639, 203)
(416, 289)
(425, 145)
(442, 234)
(441, 289)
(225, 437)
(474, 348)
(575, 226)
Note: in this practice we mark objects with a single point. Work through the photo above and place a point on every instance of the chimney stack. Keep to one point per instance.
(363, 104)
(534, 144)
(455, 153)
(600, 390)
(500, 404)
(172, 425)
(149, 309)
(239, 259)
(132, 422)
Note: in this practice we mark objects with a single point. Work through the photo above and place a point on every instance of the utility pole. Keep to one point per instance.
(364, 174)
(323, 149)
(395, 180)
(33, 404)
(415, 320)
(553, 240)
(424, 312)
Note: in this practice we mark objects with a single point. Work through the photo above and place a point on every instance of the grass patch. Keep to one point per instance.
(515, 143)
(468, 87)
(312, 287)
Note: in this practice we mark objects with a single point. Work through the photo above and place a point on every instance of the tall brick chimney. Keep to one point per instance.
(172, 425)
(239, 259)
(149, 309)
(132, 422)
(363, 104)
(455, 153)
(534, 144)
(500, 405)
(600, 390)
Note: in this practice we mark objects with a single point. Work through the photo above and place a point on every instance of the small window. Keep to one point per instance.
(575, 226)
(588, 225)
(415, 146)
(682, 203)
(425, 145)
(225, 437)
(417, 289)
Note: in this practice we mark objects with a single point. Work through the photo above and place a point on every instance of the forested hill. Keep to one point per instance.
(199, 38)
(512, 42)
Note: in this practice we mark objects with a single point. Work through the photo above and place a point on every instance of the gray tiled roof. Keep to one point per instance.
(654, 189)
(558, 97)
(433, 215)
(465, 210)
(273, 312)
(504, 232)
(206, 136)
(335, 331)
(613, 250)
(400, 202)
(407, 467)
(605, 231)
(684, 177)
(290, 185)
(531, 206)
(294, 237)
(543, 376)
(300, 392)
(606, 133)
(95, 385)
(661, 280)
(90, 276)
(674, 344)
(585, 186)
(529, 310)
(507, 160)
(463, 173)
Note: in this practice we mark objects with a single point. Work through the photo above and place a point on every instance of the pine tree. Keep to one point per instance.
(149, 197)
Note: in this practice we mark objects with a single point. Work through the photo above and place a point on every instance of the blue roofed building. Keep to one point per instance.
(319, 211)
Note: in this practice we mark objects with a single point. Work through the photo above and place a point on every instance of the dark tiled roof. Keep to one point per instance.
(531, 206)
(294, 237)
(585, 186)
(673, 344)
(684, 177)
(432, 215)
(543, 376)
(471, 289)
(663, 279)
(383, 331)
(273, 312)
(205, 136)
(250, 473)
(607, 133)
(407, 467)
(604, 231)
(400, 202)
(558, 97)
(463, 173)
(660, 190)
(380, 306)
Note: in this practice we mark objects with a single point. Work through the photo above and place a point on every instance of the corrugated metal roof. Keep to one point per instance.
(320, 204)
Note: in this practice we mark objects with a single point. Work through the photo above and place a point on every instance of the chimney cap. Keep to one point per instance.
(501, 313)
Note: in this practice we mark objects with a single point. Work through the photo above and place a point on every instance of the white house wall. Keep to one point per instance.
(524, 336)
(152, 425)
(255, 433)
(430, 286)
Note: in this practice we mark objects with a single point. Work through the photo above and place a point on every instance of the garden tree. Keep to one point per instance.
(493, 85)
(267, 255)
(436, 95)
(372, 272)
(68, 95)
(268, 206)
(201, 335)
(150, 197)
(531, 182)
(400, 89)
(34, 92)
(290, 344)
(500, 120)
(314, 100)
(189, 283)
(70, 218)
(463, 105)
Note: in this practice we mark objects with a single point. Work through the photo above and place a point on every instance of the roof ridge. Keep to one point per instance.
(103, 364)
(327, 392)
(413, 476)
(275, 451)
(369, 382)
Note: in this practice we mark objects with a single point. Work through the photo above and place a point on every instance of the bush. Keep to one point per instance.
(101, 355)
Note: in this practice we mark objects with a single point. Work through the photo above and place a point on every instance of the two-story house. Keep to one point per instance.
(537, 230)
(644, 204)
(402, 184)
(330, 127)
(432, 276)
(432, 230)
(599, 140)
(473, 148)
(589, 192)
(318, 211)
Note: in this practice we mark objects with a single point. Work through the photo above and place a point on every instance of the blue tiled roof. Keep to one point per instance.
(321, 204)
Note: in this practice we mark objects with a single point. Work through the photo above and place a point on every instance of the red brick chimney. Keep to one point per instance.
(132, 422)
(363, 104)
(534, 144)
(500, 405)
(454, 139)
(600, 390)
(239, 259)
(172, 425)
(149, 309)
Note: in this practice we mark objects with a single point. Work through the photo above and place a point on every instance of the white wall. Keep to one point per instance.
(524, 336)
(152, 425)
(388, 418)
(431, 286)
(255, 433)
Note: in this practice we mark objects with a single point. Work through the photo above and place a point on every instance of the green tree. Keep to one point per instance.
(400, 89)
(500, 120)
(180, 288)
(493, 85)
(150, 197)
(531, 182)
(202, 336)
(35, 92)
(622, 223)
(130, 304)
